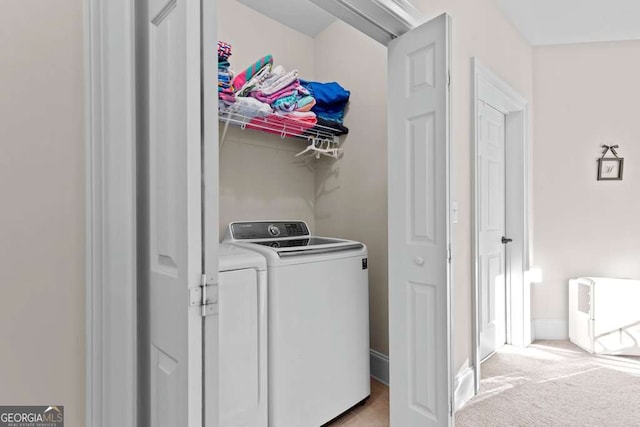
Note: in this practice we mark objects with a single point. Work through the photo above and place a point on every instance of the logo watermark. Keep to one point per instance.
(31, 416)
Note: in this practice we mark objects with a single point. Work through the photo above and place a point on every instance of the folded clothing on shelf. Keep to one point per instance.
(276, 101)
(294, 103)
(290, 124)
(226, 90)
(331, 99)
(255, 74)
(294, 89)
(247, 107)
(278, 79)
(224, 50)
(305, 116)
(333, 127)
(227, 98)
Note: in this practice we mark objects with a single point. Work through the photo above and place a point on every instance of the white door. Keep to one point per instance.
(491, 228)
(419, 234)
(174, 212)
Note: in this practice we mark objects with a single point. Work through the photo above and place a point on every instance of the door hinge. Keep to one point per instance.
(205, 296)
(448, 78)
(449, 254)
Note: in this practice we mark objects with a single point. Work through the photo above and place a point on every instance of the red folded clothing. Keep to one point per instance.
(282, 125)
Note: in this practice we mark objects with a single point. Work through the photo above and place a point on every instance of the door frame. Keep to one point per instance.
(491, 88)
(110, 214)
(111, 264)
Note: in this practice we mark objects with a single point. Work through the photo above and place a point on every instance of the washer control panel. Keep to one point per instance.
(268, 230)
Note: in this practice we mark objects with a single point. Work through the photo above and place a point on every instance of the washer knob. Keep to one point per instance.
(274, 230)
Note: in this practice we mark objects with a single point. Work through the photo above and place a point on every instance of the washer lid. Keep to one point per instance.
(292, 243)
(235, 258)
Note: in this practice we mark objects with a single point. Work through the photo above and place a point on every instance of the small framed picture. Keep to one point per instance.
(610, 169)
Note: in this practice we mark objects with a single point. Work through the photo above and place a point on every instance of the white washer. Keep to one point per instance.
(242, 296)
(318, 290)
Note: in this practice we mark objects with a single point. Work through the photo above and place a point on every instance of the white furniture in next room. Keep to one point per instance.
(318, 291)
(243, 338)
(604, 315)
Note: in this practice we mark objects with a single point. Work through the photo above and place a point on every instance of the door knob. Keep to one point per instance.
(506, 240)
(419, 260)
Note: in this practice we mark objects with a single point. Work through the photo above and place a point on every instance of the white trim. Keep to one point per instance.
(464, 387)
(550, 329)
(382, 20)
(379, 366)
(210, 205)
(111, 339)
(489, 87)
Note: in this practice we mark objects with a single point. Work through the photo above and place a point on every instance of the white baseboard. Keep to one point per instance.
(464, 387)
(379, 366)
(464, 381)
(549, 329)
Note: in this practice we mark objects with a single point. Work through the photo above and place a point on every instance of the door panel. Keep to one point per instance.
(174, 209)
(422, 156)
(419, 226)
(165, 390)
(491, 205)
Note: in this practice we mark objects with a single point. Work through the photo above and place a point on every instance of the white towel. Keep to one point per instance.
(248, 107)
(278, 80)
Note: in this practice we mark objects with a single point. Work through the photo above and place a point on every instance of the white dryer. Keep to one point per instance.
(318, 292)
(242, 334)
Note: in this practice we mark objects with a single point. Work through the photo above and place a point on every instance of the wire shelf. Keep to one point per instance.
(280, 124)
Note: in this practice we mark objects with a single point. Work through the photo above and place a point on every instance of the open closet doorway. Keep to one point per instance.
(152, 69)
(501, 298)
(261, 177)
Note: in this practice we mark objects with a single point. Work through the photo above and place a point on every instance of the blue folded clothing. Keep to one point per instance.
(336, 116)
(327, 93)
(331, 99)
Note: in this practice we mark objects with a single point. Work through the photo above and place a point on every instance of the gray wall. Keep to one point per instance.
(351, 193)
(42, 323)
(259, 175)
(586, 95)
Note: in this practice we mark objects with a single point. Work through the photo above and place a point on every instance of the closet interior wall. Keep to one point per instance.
(261, 179)
(351, 193)
(259, 175)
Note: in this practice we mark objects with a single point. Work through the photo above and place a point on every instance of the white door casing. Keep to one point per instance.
(419, 230)
(210, 213)
(175, 208)
(493, 90)
(111, 242)
(491, 228)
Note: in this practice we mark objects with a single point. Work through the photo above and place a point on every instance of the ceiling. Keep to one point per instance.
(541, 22)
(547, 22)
(301, 15)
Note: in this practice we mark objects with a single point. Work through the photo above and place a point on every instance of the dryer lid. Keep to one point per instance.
(236, 258)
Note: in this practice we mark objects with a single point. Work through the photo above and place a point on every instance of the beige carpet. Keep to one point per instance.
(555, 383)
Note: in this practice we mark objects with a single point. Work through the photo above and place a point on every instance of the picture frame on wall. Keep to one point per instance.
(610, 169)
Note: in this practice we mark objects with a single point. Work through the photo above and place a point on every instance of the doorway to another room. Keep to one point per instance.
(501, 298)
(492, 264)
